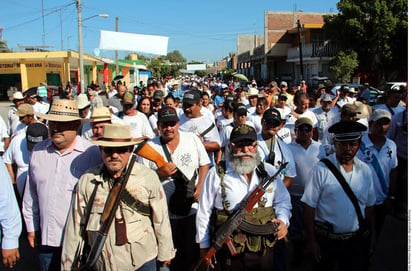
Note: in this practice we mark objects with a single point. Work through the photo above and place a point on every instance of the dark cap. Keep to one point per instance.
(158, 94)
(128, 98)
(272, 117)
(230, 97)
(350, 109)
(191, 97)
(36, 132)
(31, 92)
(283, 96)
(240, 109)
(167, 114)
(243, 132)
(347, 130)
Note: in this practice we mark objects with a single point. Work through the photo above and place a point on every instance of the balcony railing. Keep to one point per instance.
(314, 50)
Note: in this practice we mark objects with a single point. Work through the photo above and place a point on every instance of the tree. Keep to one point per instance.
(376, 31)
(343, 66)
(3, 47)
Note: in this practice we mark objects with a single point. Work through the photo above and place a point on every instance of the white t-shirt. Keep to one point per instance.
(188, 156)
(17, 153)
(139, 125)
(4, 133)
(13, 120)
(198, 126)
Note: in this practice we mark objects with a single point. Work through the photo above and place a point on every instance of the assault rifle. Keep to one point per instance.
(236, 219)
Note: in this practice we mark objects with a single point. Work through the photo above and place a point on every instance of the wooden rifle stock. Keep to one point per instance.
(147, 151)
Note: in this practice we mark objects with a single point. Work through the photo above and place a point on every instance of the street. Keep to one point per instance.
(392, 251)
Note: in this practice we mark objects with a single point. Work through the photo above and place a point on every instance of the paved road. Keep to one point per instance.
(391, 254)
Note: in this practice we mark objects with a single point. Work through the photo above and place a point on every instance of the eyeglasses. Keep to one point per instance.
(118, 150)
(169, 124)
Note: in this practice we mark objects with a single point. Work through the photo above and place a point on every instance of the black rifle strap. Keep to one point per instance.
(87, 212)
(202, 134)
(347, 190)
(165, 150)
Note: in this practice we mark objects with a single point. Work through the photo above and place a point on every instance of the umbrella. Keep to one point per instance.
(240, 76)
(118, 77)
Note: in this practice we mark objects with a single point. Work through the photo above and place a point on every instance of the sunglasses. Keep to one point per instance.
(119, 150)
(305, 128)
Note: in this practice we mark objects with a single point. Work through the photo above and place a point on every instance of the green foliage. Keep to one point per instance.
(175, 56)
(376, 30)
(343, 66)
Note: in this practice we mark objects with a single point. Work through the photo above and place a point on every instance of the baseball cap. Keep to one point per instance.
(35, 133)
(347, 130)
(191, 97)
(167, 114)
(283, 96)
(17, 96)
(158, 95)
(240, 109)
(272, 117)
(24, 110)
(273, 84)
(31, 92)
(326, 97)
(378, 114)
(283, 84)
(128, 98)
(243, 132)
(349, 109)
(303, 121)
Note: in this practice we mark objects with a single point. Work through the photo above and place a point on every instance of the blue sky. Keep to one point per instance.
(200, 30)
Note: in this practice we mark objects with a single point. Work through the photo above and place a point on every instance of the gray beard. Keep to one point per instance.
(243, 166)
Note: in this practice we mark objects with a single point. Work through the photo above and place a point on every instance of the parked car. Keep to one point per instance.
(393, 85)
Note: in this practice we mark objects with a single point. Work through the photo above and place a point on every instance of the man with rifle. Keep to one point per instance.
(182, 177)
(223, 193)
(119, 210)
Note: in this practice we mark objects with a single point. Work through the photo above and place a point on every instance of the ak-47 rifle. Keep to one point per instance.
(236, 219)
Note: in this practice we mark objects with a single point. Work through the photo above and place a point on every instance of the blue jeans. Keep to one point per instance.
(148, 266)
(50, 258)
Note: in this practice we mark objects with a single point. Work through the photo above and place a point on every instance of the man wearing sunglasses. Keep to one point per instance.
(222, 193)
(185, 153)
(140, 233)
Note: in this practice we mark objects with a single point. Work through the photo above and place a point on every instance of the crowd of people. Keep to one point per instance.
(191, 150)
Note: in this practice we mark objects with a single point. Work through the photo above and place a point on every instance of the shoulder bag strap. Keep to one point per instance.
(347, 190)
(202, 134)
(166, 151)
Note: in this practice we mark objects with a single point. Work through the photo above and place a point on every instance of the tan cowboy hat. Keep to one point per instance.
(100, 114)
(61, 110)
(116, 135)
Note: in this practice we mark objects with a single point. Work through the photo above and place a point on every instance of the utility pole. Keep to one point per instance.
(79, 25)
(42, 15)
(300, 50)
(116, 55)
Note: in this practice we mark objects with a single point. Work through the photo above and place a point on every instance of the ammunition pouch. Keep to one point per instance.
(182, 199)
(255, 233)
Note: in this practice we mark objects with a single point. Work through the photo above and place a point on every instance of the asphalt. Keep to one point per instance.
(392, 251)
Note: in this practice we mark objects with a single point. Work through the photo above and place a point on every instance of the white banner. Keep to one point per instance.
(111, 40)
(196, 67)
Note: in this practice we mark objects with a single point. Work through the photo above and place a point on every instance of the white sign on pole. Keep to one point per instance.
(150, 44)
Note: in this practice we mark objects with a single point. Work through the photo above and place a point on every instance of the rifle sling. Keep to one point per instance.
(87, 212)
(136, 205)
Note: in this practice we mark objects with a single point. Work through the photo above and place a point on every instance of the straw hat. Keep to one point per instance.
(61, 110)
(100, 114)
(116, 135)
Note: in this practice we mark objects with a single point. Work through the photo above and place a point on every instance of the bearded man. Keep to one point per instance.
(221, 194)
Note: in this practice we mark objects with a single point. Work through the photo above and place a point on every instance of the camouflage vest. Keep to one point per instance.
(259, 216)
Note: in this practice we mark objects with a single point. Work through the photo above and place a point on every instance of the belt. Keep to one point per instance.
(322, 231)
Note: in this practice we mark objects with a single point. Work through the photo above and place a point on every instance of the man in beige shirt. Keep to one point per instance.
(146, 236)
